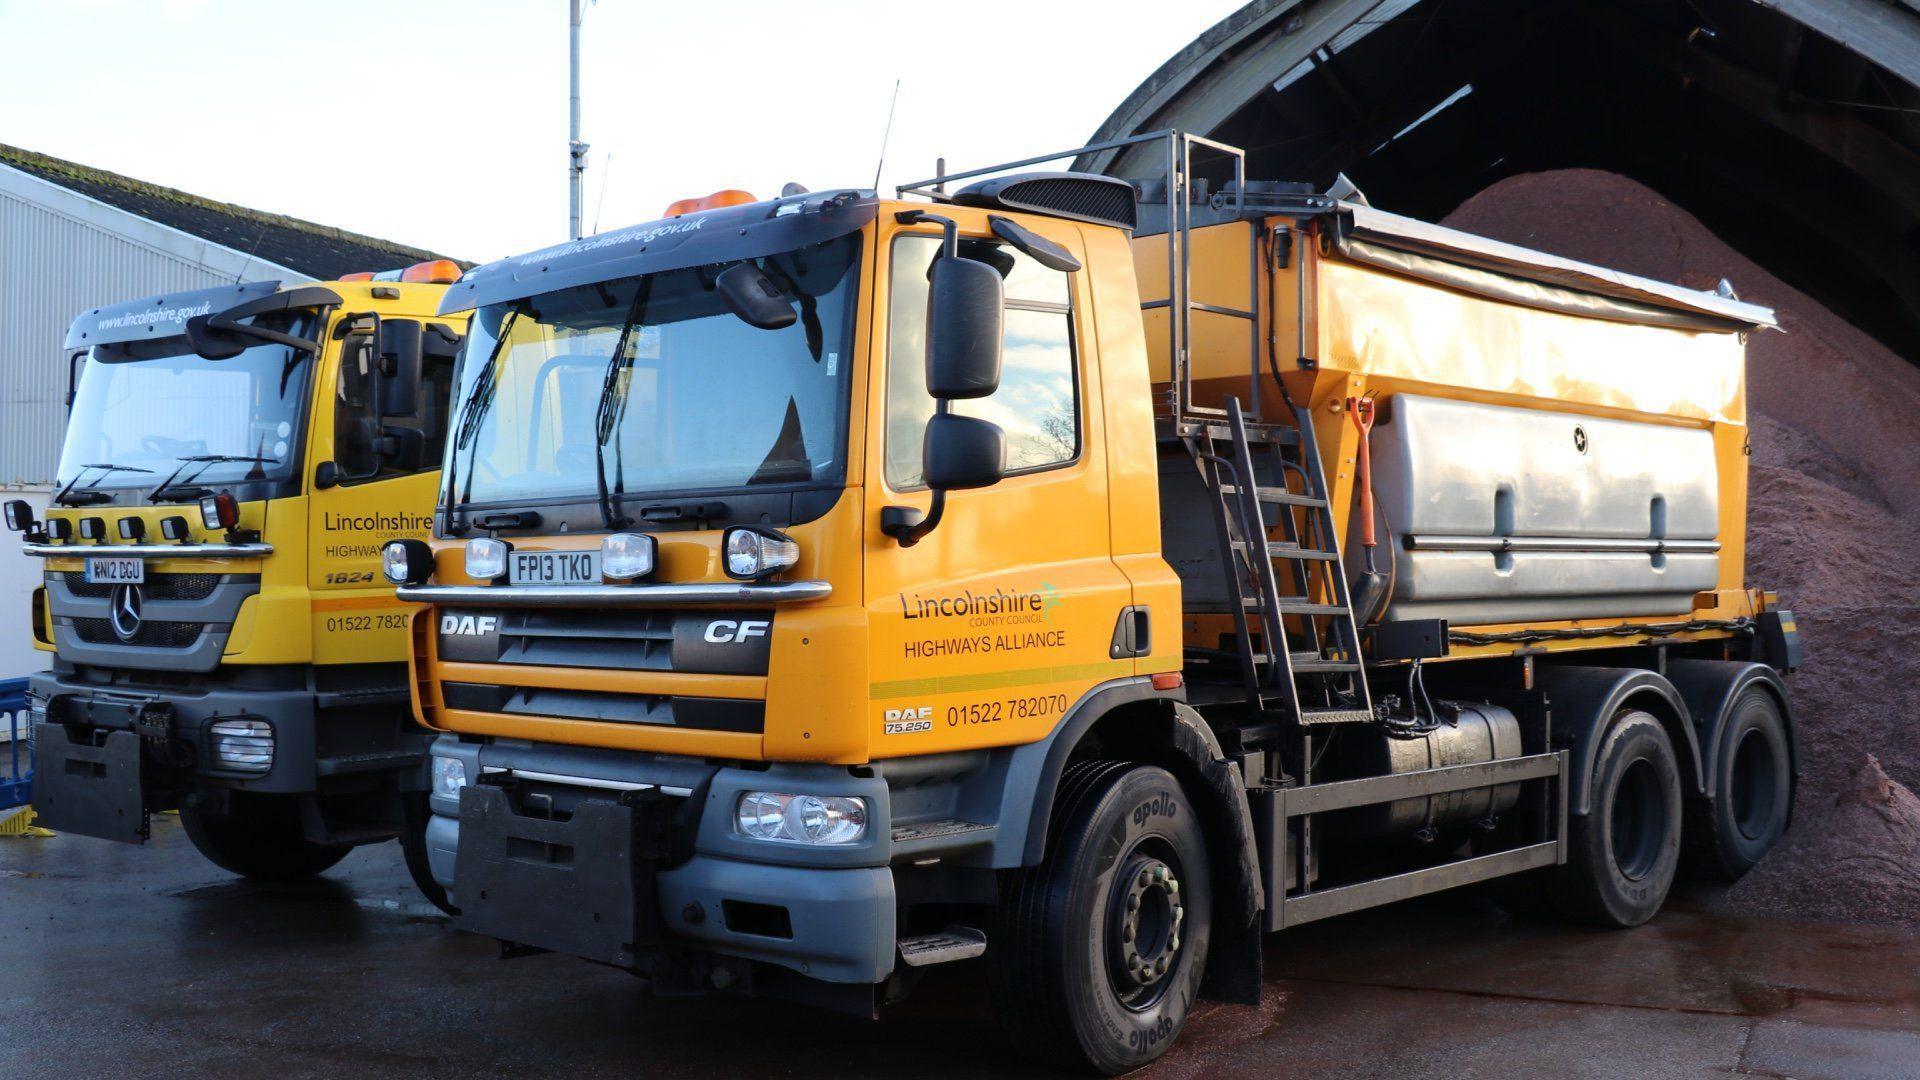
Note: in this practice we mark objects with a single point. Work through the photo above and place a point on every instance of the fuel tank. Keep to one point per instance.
(1465, 734)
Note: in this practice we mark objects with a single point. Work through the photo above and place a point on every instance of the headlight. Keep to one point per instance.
(242, 745)
(801, 819)
(406, 562)
(758, 553)
(625, 556)
(487, 559)
(449, 776)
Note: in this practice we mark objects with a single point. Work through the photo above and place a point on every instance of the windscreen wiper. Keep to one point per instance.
(205, 461)
(86, 496)
(606, 413)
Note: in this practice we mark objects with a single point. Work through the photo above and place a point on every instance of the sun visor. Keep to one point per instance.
(1517, 275)
(159, 316)
(725, 234)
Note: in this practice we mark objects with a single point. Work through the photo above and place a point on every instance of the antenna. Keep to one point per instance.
(887, 134)
(606, 174)
(259, 235)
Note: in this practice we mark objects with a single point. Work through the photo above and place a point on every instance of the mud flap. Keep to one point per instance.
(89, 790)
(583, 886)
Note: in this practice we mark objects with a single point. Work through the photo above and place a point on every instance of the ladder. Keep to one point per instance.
(1313, 672)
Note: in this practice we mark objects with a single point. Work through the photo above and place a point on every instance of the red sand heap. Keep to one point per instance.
(1833, 526)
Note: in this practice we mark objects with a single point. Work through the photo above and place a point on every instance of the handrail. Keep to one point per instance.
(148, 551)
(690, 594)
(1179, 182)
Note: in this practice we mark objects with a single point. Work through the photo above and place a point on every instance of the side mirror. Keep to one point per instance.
(961, 452)
(403, 448)
(965, 304)
(753, 296)
(400, 351)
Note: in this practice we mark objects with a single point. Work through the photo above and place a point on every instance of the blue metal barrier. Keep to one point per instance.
(16, 784)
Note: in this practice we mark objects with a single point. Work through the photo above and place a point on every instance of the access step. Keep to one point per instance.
(1320, 665)
(1294, 606)
(1281, 549)
(953, 943)
(1277, 496)
(1335, 716)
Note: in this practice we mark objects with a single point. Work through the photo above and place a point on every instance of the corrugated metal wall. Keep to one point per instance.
(52, 267)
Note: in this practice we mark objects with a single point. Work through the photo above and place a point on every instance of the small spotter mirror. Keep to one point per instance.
(211, 343)
(1033, 245)
(753, 296)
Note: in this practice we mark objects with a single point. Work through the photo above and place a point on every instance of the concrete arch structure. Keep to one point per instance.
(1789, 127)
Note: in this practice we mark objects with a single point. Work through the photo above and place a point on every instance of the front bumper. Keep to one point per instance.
(107, 755)
(644, 871)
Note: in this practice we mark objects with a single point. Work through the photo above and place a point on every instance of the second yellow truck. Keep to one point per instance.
(221, 640)
(1088, 575)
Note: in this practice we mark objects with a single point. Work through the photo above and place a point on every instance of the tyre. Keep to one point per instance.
(258, 838)
(1753, 792)
(1099, 950)
(1622, 854)
(413, 845)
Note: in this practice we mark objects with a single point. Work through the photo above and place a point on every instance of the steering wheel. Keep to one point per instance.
(161, 446)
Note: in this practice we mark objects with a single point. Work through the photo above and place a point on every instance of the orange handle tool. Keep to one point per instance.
(1361, 410)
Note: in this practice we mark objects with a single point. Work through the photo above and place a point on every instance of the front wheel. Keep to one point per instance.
(1623, 853)
(1099, 950)
(258, 837)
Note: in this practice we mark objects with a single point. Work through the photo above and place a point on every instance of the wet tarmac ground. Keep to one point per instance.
(125, 962)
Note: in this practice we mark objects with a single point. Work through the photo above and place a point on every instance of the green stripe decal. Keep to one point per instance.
(989, 680)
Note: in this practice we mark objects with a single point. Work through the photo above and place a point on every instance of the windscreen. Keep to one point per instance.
(142, 409)
(652, 385)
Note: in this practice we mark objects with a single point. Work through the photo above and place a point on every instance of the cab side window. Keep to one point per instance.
(1037, 404)
(369, 446)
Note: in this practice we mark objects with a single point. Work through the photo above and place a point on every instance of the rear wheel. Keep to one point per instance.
(1623, 853)
(1753, 792)
(258, 837)
(1099, 950)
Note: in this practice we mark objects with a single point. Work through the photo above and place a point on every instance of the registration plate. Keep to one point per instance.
(553, 568)
(106, 571)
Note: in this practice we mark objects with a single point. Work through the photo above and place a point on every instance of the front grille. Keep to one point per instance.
(157, 587)
(708, 642)
(656, 710)
(151, 635)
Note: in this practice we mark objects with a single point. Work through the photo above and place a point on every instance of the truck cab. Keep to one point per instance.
(220, 640)
(828, 588)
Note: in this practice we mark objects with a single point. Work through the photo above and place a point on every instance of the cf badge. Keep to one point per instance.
(124, 611)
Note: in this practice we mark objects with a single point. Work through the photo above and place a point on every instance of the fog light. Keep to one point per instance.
(625, 556)
(242, 745)
(175, 528)
(406, 562)
(487, 559)
(93, 528)
(60, 529)
(758, 553)
(449, 776)
(219, 511)
(801, 819)
(132, 528)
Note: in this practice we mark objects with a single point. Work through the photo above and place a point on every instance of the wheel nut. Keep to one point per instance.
(1161, 967)
(1126, 934)
(1146, 878)
(1133, 901)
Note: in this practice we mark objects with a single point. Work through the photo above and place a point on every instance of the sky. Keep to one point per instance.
(443, 124)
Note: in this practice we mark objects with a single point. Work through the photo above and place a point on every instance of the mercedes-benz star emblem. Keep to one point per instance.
(125, 611)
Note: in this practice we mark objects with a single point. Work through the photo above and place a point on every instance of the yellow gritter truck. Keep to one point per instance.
(221, 641)
(1086, 575)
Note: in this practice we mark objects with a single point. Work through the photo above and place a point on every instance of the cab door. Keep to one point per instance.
(375, 478)
(986, 631)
